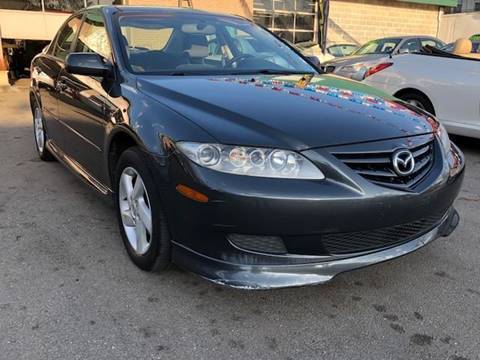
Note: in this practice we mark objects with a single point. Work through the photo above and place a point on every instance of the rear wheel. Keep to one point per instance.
(143, 224)
(40, 134)
(418, 100)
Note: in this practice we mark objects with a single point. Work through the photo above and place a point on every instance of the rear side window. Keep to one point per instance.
(66, 37)
(431, 42)
(146, 39)
(93, 36)
(411, 45)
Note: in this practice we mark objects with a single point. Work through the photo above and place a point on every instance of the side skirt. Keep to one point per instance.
(77, 169)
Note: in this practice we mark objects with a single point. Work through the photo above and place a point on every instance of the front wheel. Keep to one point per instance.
(143, 224)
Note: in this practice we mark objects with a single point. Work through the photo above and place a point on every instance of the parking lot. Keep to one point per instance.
(69, 291)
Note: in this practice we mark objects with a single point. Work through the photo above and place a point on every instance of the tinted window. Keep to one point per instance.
(200, 44)
(411, 45)
(380, 46)
(66, 37)
(93, 36)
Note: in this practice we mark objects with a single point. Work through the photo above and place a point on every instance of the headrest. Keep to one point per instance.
(197, 46)
(462, 47)
(197, 51)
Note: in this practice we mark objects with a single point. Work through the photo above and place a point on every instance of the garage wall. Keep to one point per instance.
(455, 26)
(237, 7)
(30, 25)
(358, 21)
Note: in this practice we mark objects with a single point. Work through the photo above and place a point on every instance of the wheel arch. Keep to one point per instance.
(120, 139)
(412, 90)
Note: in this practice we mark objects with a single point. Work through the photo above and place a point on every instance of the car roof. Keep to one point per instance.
(158, 10)
(405, 37)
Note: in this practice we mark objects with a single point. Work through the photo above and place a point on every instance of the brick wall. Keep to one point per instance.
(358, 21)
(237, 7)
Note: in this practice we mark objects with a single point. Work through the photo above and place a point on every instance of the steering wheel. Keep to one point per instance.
(238, 58)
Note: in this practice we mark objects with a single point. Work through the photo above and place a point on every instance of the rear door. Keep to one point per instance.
(85, 105)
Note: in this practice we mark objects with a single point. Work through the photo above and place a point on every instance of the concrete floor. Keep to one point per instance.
(68, 290)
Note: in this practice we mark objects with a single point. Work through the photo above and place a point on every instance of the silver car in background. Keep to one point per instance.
(377, 49)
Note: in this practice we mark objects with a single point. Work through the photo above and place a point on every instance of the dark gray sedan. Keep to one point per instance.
(238, 160)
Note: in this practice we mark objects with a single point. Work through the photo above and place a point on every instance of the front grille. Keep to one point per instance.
(353, 242)
(378, 168)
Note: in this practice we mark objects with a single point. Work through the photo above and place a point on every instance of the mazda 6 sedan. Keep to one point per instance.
(238, 160)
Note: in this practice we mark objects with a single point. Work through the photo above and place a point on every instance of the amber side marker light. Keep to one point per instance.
(191, 194)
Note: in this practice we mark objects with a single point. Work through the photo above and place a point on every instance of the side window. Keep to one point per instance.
(411, 45)
(66, 37)
(430, 42)
(93, 36)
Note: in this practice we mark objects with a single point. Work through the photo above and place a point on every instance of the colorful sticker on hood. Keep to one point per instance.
(310, 92)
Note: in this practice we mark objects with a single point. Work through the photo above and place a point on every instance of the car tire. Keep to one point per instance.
(40, 134)
(147, 242)
(418, 100)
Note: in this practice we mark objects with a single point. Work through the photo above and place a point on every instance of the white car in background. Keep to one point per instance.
(442, 83)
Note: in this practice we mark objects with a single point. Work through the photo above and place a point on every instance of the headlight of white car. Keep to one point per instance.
(251, 161)
(444, 139)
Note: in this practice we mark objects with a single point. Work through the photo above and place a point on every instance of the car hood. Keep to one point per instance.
(286, 111)
(353, 59)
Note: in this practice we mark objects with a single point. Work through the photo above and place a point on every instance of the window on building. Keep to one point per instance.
(292, 20)
(68, 6)
(66, 37)
(93, 36)
(63, 6)
(476, 7)
(31, 5)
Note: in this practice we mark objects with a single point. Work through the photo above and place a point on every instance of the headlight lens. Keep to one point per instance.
(251, 161)
(443, 137)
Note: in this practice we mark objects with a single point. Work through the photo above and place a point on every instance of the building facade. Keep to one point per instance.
(27, 25)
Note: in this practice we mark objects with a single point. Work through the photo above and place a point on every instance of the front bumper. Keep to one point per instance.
(302, 213)
(280, 276)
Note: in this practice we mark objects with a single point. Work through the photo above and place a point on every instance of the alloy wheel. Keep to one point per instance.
(135, 210)
(39, 130)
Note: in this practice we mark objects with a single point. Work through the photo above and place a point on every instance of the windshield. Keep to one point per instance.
(204, 44)
(380, 46)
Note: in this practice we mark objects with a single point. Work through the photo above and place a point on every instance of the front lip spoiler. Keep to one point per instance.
(257, 277)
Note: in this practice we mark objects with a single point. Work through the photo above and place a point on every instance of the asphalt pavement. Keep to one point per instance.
(69, 291)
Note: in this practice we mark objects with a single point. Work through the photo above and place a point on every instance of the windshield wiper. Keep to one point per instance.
(241, 72)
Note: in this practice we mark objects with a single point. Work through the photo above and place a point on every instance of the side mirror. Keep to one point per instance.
(314, 60)
(89, 64)
(404, 51)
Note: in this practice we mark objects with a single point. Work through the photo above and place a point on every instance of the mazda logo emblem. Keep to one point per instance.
(403, 162)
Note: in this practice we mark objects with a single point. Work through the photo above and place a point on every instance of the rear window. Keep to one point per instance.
(380, 46)
(147, 39)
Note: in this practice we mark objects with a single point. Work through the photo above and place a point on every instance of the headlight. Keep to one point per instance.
(444, 139)
(251, 161)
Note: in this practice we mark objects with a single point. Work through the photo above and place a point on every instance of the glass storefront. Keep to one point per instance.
(293, 20)
(52, 5)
